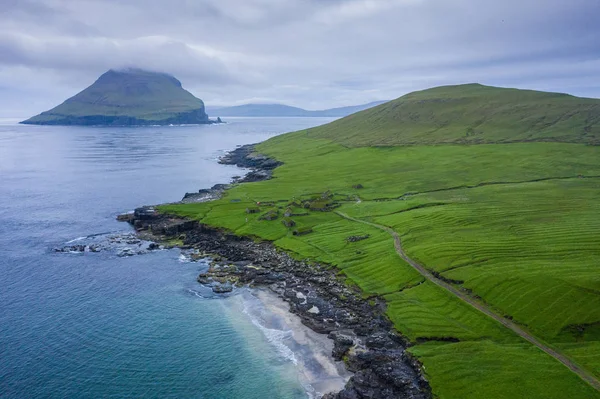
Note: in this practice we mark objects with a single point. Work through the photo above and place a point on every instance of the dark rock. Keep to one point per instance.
(205, 195)
(341, 344)
(380, 340)
(144, 213)
(357, 238)
(222, 288)
(220, 187)
(204, 278)
(126, 217)
(261, 167)
(71, 248)
(126, 252)
(153, 246)
(256, 175)
(245, 157)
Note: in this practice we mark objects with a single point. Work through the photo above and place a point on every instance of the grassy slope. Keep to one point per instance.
(526, 245)
(528, 249)
(470, 114)
(135, 93)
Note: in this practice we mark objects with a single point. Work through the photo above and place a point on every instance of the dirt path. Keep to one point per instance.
(582, 373)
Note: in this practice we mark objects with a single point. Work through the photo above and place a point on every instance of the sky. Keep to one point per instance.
(313, 54)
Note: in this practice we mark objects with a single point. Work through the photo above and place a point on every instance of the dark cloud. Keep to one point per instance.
(311, 53)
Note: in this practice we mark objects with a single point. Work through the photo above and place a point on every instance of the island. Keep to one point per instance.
(128, 97)
(446, 241)
(282, 110)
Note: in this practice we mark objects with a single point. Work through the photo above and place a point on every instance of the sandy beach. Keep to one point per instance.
(310, 352)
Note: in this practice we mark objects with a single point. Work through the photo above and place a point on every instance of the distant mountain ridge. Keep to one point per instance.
(128, 97)
(282, 110)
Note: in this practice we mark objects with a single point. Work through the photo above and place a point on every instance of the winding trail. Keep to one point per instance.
(570, 364)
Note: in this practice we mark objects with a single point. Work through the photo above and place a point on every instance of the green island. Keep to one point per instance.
(128, 97)
(493, 191)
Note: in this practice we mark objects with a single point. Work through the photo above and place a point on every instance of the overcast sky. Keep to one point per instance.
(309, 53)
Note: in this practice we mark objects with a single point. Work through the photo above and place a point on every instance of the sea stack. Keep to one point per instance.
(128, 97)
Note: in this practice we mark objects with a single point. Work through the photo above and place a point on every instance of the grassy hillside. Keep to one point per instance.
(132, 93)
(470, 114)
(514, 223)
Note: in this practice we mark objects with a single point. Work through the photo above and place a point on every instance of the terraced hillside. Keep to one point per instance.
(512, 222)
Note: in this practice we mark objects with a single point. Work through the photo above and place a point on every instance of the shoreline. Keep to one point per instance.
(309, 351)
(362, 335)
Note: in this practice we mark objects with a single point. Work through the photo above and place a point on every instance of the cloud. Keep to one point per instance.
(309, 53)
(100, 53)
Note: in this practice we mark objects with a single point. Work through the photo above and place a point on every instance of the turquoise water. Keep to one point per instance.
(98, 325)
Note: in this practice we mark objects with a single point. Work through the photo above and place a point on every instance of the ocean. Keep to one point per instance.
(99, 325)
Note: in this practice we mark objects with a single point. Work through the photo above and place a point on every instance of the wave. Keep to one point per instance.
(76, 239)
(195, 293)
(274, 336)
(94, 236)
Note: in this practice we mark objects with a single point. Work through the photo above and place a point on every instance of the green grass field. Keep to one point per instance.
(517, 223)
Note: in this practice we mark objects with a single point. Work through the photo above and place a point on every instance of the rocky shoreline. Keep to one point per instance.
(363, 336)
(261, 168)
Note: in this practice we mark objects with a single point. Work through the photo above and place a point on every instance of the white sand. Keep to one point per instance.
(310, 351)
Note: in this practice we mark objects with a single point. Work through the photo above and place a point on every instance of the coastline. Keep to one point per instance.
(309, 351)
(362, 336)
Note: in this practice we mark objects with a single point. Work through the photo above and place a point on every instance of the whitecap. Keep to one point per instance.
(195, 293)
(76, 239)
(274, 336)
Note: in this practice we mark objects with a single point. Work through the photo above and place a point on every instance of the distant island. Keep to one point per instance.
(282, 110)
(128, 97)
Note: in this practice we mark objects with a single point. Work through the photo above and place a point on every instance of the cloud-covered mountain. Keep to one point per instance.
(128, 97)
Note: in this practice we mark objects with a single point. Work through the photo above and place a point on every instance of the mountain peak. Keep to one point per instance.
(137, 75)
